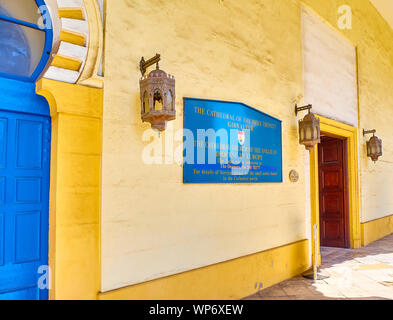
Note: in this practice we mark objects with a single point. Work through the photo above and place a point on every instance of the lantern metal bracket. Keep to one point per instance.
(369, 132)
(143, 65)
(307, 107)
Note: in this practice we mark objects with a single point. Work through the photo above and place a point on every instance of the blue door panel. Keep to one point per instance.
(2, 191)
(2, 229)
(28, 190)
(24, 202)
(22, 294)
(27, 236)
(29, 139)
(3, 142)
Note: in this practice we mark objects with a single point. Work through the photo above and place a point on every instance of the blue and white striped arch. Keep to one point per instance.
(78, 45)
(27, 39)
(60, 40)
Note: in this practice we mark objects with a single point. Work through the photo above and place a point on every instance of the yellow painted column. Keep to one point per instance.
(314, 192)
(74, 208)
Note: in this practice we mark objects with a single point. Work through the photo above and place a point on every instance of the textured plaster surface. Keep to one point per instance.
(247, 51)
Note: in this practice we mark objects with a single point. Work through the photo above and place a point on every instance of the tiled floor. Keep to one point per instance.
(365, 273)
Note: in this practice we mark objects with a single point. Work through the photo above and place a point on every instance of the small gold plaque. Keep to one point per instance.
(294, 176)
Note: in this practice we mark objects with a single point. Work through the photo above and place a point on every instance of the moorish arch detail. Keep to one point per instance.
(78, 42)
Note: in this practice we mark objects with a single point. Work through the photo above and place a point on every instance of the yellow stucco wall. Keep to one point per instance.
(76, 113)
(248, 51)
(233, 279)
(374, 41)
(152, 224)
(376, 229)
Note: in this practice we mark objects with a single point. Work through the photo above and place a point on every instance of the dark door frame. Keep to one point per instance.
(339, 130)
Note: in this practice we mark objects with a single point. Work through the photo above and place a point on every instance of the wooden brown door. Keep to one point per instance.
(333, 193)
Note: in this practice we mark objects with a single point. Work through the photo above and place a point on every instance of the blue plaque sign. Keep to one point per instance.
(229, 142)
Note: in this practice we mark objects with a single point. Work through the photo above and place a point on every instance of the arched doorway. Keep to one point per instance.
(26, 39)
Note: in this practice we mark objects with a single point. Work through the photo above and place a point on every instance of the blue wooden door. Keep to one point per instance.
(24, 190)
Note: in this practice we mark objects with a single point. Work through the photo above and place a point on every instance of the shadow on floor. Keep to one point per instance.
(365, 267)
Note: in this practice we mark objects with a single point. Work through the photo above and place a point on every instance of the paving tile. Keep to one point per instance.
(387, 283)
(315, 298)
(298, 290)
(354, 292)
(385, 258)
(377, 275)
(254, 297)
(274, 291)
(378, 266)
(275, 298)
(360, 274)
(329, 291)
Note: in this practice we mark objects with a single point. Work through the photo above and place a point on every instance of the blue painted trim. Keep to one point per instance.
(47, 48)
(231, 102)
(20, 96)
(48, 43)
(21, 22)
(15, 77)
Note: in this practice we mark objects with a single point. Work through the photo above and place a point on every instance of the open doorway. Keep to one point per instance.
(333, 192)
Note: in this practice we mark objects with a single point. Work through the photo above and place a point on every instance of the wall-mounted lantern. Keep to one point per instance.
(157, 95)
(309, 128)
(374, 145)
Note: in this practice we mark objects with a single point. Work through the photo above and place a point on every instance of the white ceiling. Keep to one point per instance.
(385, 8)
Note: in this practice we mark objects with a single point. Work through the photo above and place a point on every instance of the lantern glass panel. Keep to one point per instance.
(157, 101)
(315, 136)
(308, 133)
(169, 101)
(301, 133)
(373, 149)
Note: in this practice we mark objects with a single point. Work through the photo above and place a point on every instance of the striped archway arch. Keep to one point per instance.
(78, 42)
